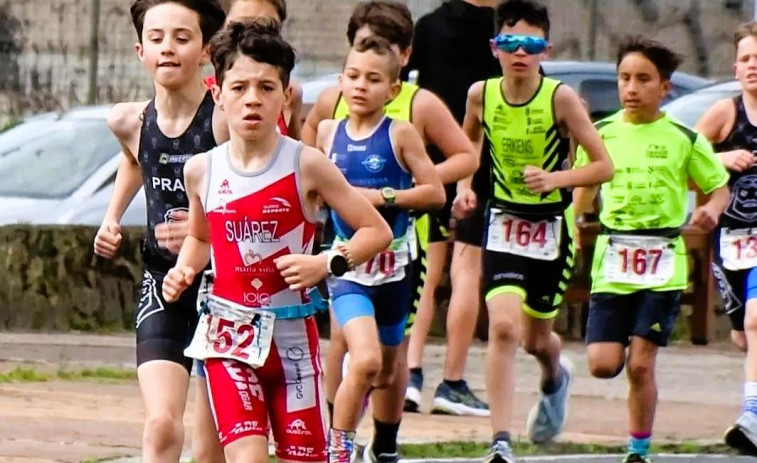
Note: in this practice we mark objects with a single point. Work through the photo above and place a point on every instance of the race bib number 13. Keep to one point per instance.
(513, 235)
(738, 248)
(641, 260)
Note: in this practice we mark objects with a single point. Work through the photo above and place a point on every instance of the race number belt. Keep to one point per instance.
(387, 266)
(738, 248)
(639, 260)
(515, 235)
(232, 331)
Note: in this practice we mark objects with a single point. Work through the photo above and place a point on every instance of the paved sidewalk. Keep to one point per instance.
(700, 395)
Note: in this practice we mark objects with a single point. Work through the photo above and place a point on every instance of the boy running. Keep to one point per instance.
(381, 157)
(392, 21)
(528, 247)
(157, 138)
(640, 265)
(253, 203)
(728, 125)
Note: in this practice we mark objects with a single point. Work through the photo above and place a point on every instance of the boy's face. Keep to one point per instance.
(252, 9)
(520, 63)
(365, 82)
(366, 31)
(171, 47)
(640, 86)
(252, 96)
(746, 63)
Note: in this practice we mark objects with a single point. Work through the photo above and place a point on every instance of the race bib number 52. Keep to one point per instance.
(738, 248)
(513, 235)
(640, 260)
(246, 341)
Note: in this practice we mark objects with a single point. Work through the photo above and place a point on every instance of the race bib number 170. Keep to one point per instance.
(513, 235)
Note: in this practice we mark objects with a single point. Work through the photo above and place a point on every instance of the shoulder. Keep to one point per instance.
(195, 167)
(125, 119)
(724, 107)
(313, 163)
(402, 129)
(296, 91)
(608, 123)
(565, 95)
(681, 130)
(327, 99)
(476, 92)
(325, 129)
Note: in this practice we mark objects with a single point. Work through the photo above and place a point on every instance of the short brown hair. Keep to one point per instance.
(210, 13)
(383, 48)
(388, 19)
(257, 38)
(743, 31)
(279, 5)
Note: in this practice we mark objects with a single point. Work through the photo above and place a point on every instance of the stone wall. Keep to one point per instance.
(46, 45)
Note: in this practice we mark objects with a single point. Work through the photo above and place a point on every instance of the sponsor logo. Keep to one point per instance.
(277, 205)
(166, 158)
(223, 205)
(655, 151)
(299, 451)
(518, 146)
(509, 276)
(374, 163)
(298, 428)
(351, 148)
(175, 214)
(225, 188)
(246, 383)
(244, 427)
(295, 354)
(257, 299)
(167, 184)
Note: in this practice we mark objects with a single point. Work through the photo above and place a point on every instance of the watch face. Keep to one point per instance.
(339, 265)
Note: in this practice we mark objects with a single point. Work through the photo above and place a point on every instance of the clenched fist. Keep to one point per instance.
(176, 281)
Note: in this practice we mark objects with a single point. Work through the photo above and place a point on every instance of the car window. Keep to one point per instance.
(601, 95)
(690, 108)
(52, 158)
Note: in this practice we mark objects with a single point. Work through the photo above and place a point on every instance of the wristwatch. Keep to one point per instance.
(336, 264)
(389, 195)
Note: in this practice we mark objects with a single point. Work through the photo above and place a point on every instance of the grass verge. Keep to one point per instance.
(103, 374)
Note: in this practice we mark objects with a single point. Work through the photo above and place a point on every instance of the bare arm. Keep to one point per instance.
(572, 114)
(322, 177)
(583, 200)
(323, 109)
(124, 121)
(440, 128)
(292, 111)
(428, 192)
(715, 125)
(195, 251)
(325, 135)
(465, 201)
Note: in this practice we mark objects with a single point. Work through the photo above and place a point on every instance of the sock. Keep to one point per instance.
(502, 436)
(384, 437)
(417, 371)
(750, 397)
(456, 385)
(330, 407)
(551, 385)
(341, 444)
(639, 442)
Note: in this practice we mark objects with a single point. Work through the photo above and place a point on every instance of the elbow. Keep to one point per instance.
(385, 235)
(607, 172)
(473, 164)
(440, 197)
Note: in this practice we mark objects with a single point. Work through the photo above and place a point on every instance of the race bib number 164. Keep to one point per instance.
(514, 235)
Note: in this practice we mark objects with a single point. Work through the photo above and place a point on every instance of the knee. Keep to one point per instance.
(387, 375)
(639, 371)
(207, 451)
(604, 369)
(163, 431)
(505, 331)
(739, 340)
(750, 318)
(536, 345)
(365, 366)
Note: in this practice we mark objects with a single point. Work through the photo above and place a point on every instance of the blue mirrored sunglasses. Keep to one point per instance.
(510, 43)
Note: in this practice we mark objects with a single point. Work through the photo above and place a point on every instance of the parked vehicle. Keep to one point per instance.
(60, 169)
(690, 108)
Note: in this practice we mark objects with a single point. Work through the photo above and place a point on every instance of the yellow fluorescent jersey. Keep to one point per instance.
(400, 108)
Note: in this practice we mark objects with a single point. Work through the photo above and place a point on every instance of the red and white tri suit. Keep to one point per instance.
(255, 218)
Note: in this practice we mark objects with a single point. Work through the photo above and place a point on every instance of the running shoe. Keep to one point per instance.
(413, 393)
(369, 457)
(636, 458)
(742, 436)
(457, 401)
(548, 416)
(500, 453)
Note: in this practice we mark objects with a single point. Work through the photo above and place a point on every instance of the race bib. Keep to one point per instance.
(232, 331)
(412, 239)
(514, 235)
(738, 248)
(386, 267)
(639, 260)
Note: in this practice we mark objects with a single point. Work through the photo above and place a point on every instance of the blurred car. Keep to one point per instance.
(690, 108)
(60, 169)
(595, 82)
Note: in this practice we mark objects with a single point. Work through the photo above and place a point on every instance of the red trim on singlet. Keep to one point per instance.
(210, 81)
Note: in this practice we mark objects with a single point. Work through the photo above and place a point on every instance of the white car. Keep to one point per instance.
(60, 169)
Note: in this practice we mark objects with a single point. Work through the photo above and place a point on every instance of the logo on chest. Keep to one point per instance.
(225, 188)
(374, 163)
